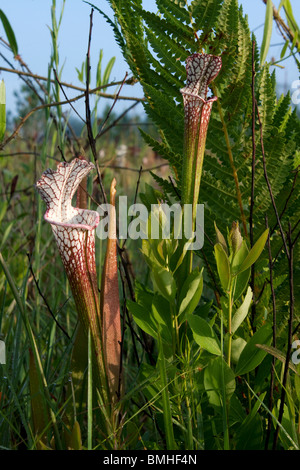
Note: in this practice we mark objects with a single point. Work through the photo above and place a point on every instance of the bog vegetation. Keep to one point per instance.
(208, 355)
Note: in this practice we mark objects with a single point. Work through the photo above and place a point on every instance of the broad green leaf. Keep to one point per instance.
(241, 313)
(2, 110)
(223, 265)
(9, 33)
(142, 318)
(237, 347)
(242, 279)
(204, 335)
(267, 32)
(254, 253)
(190, 293)
(154, 320)
(219, 381)
(164, 282)
(240, 256)
(251, 355)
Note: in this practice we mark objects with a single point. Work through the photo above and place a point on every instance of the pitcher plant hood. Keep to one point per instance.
(201, 70)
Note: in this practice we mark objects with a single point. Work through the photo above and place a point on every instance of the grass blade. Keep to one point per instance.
(267, 32)
(166, 399)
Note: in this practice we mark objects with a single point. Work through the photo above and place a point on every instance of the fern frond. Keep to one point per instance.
(167, 187)
(205, 15)
(174, 9)
(167, 115)
(164, 151)
(180, 33)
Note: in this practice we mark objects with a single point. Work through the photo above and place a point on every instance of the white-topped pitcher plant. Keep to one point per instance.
(73, 229)
(201, 70)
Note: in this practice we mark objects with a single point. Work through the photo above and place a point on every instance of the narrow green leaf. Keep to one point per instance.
(242, 279)
(282, 428)
(254, 253)
(295, 40)
(223, 265)
(283, 50)
(278, 354)
(221, 239)
(267, 32)
(241, 313)
(6, 234)
(108, 70)
(2, 110)
(290, 16)
(99, 69)
(204, 335)
(9, 33)
(33, 344)
(190, 293)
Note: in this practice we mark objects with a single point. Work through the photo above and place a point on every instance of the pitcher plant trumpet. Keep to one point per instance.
(73, 229)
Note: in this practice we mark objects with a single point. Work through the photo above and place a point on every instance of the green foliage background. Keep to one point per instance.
(181, 390)
(155, 47)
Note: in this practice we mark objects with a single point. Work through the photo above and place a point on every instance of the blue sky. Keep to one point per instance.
(31, 19)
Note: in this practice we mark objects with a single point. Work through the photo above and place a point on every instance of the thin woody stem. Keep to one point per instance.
(290, 336)
(93, 91)
(271, 397)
